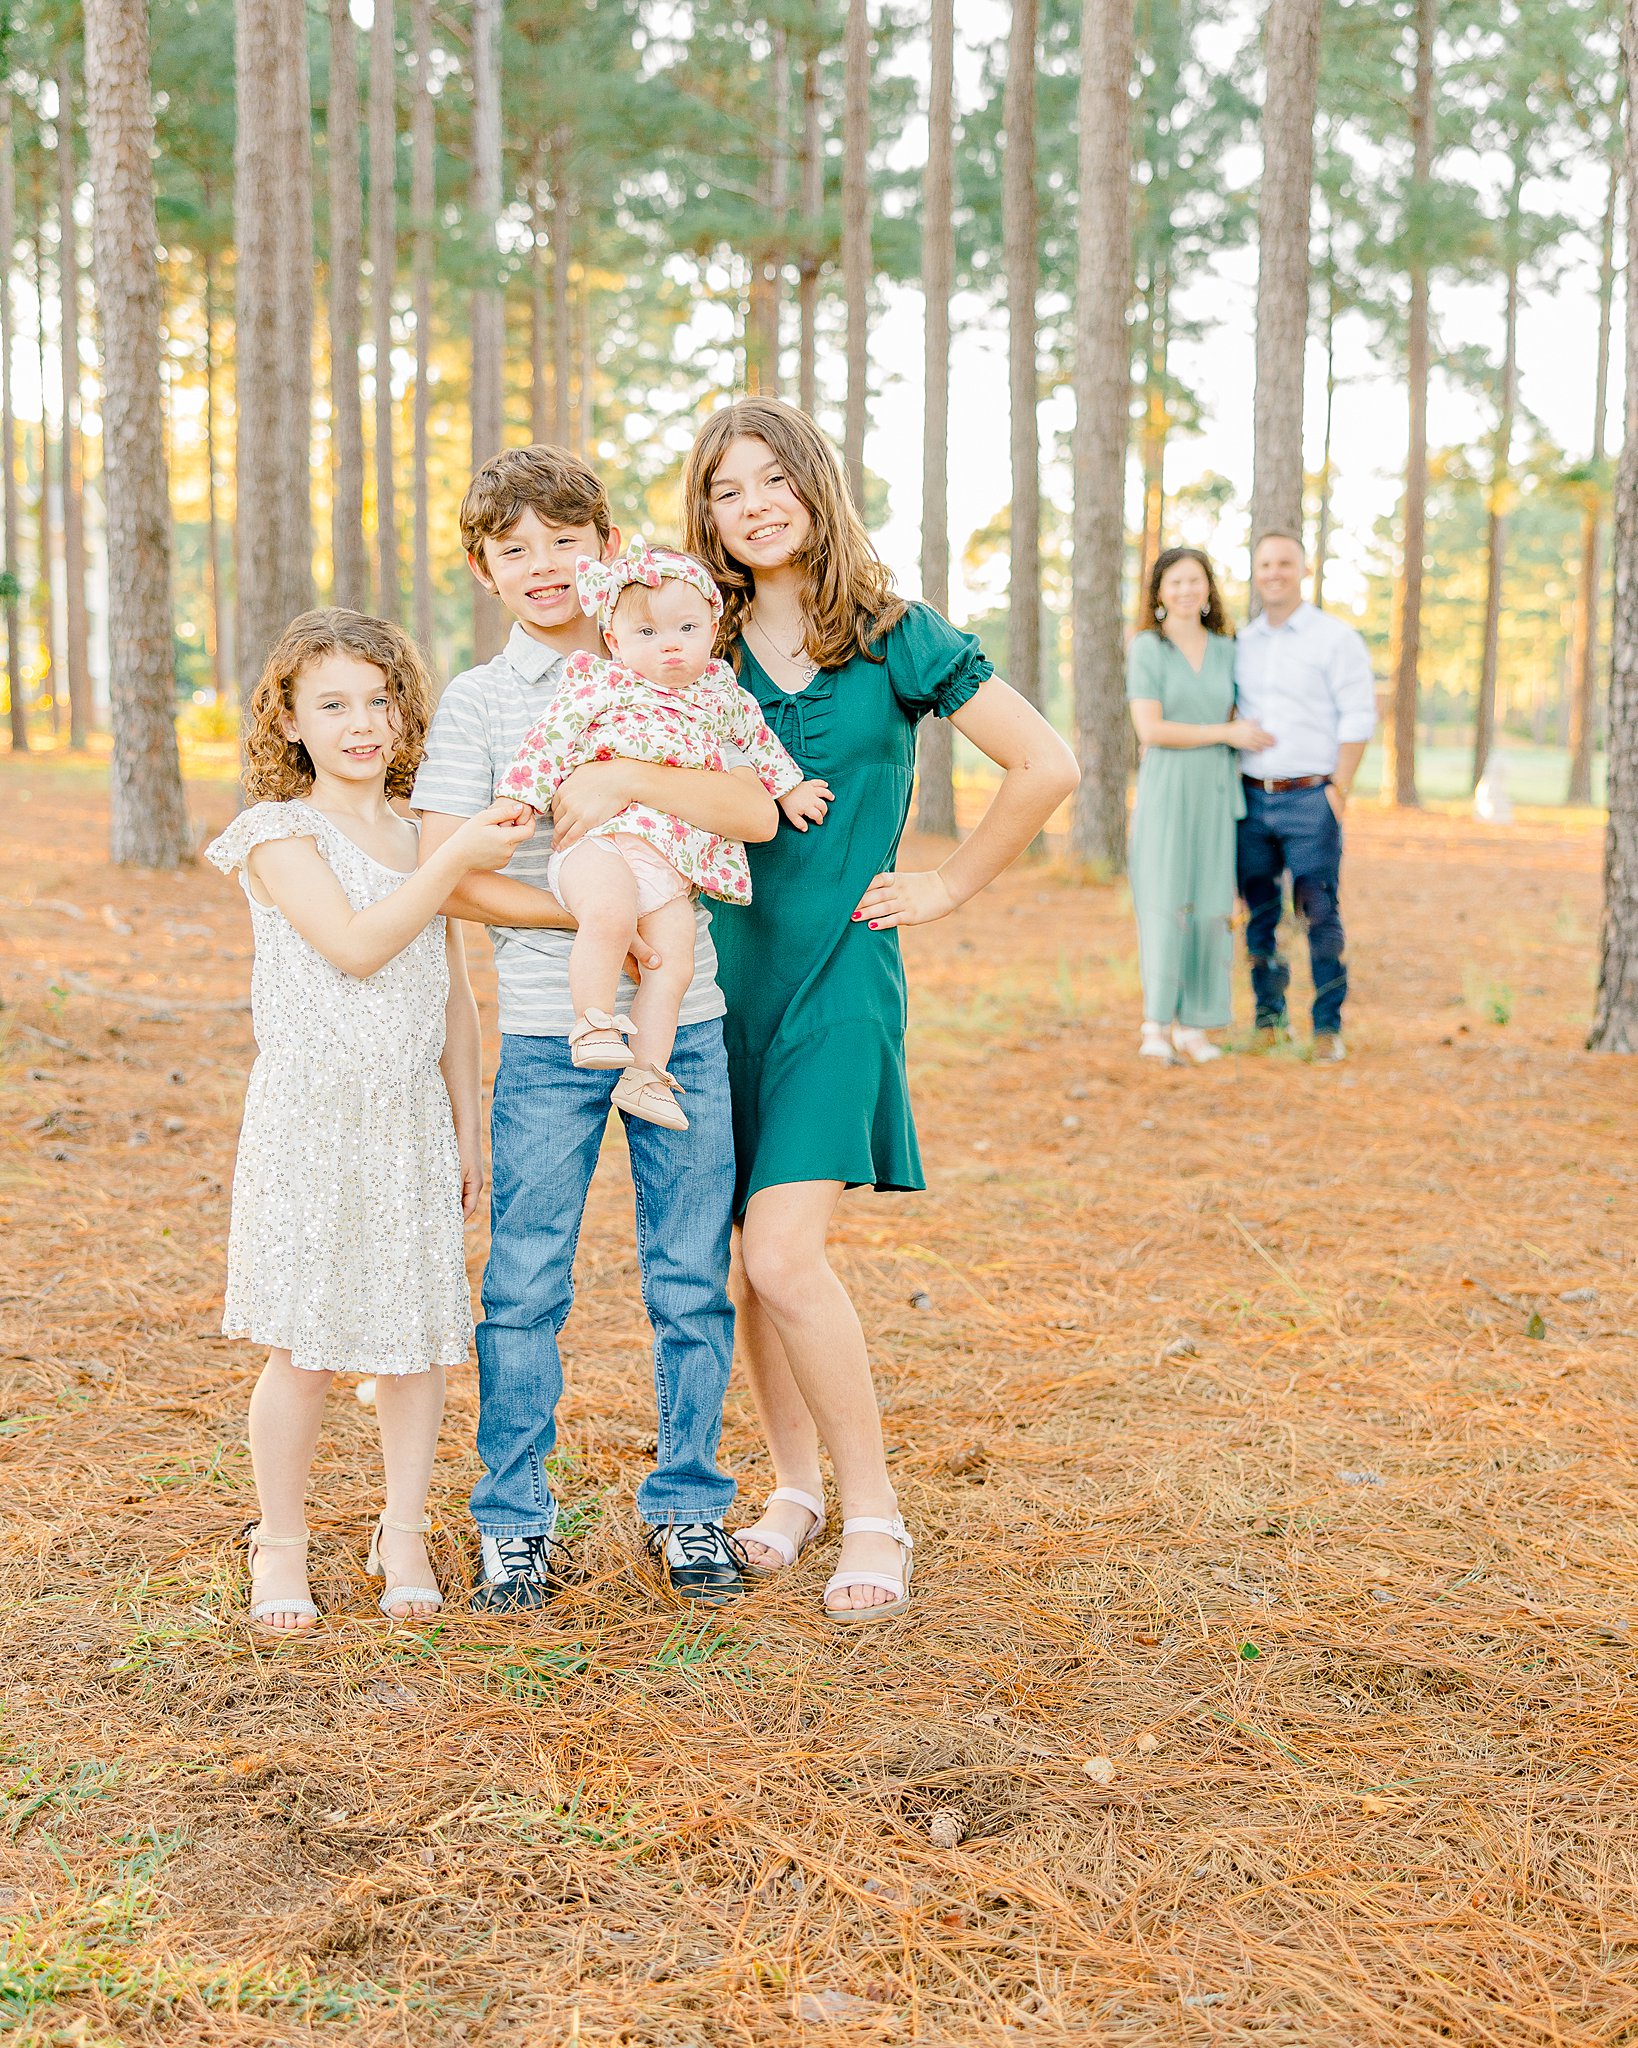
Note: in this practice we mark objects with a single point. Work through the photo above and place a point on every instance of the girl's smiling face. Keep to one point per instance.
(344, 717)
(760, 520)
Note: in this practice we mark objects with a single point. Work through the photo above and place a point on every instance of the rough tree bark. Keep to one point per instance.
(1615, 1026)
(78, 627)
(1020, 239)
(1501, 466)
(856, 239)
(1102, 376)
(935, 793)
(149, 823)
(383, 276)
(273, 317)
(813, 208)
(1399, 750)
(1322, 524)
(1157, 419)
(488, 336)
(1291, 57)
(1584, 642)
(349, 581)
(8, 441)
(224, 666)
(50, 666)
(423, 204)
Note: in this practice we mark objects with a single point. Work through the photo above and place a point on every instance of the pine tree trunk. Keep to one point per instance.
(1102, 382)
(349, 562)
(1584, 643)
(1501, 464)
(383, 276)
(562, 326)
(149, 823)
(1292, 35)
(423, 205)
(50, 666)
(935, 794)
(856, 240)
(585, 380)
(273, 317)
(1322, 530)
(78, 647)
(1399, 763)
(1615, 1027)
(540, 313)
(813, 208)
(8, 440)
(223, 666)
(488, 320)
(1019, 235)
(1156, 426)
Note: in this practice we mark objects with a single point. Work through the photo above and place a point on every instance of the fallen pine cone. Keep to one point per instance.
(946, 1827)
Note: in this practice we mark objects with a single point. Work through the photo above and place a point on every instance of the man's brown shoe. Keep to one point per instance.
(1328, 1046)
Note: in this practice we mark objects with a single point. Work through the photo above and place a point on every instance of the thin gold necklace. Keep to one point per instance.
(801, 661)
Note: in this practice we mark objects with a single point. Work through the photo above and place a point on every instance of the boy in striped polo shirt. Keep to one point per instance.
(529, 515)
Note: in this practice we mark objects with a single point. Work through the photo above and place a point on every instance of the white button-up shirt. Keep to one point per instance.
(1309, 683)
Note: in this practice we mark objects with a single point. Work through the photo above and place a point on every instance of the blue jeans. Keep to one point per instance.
(1295, 831)
(548, 1122)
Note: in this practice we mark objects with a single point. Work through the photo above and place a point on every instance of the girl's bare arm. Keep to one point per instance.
(462, 1070)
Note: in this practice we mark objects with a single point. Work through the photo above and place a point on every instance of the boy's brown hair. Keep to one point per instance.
(277, 768)
(550, 482)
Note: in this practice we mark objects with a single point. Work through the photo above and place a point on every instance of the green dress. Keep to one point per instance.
(1182, 863)
(816, 1003)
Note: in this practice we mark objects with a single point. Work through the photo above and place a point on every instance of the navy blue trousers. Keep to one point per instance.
(1295, 832)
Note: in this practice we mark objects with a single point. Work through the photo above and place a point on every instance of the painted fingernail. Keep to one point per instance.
(857, 915)
(874, 926)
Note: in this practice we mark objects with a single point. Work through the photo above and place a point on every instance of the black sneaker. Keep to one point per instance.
(519, 1572)
(700, 1560)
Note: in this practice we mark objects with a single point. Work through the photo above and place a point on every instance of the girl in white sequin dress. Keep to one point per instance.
(360, 1152)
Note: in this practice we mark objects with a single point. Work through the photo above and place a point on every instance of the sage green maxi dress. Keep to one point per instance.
(1182, 862)
(816, 1003)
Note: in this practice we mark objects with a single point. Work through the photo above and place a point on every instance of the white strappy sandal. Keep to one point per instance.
(770, 1539)
(400, 1596)
(262, 1610)
(852, 1617)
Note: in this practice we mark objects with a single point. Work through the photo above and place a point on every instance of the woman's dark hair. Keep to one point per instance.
(1213, 618)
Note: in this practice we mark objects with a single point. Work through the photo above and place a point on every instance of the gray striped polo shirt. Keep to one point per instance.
(479, 725)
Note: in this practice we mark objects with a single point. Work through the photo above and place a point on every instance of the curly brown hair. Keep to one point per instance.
(553, 483)
(849, 599)
(1214, 618)
(277, 768)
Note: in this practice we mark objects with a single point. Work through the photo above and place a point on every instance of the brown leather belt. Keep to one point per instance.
(1290, 782)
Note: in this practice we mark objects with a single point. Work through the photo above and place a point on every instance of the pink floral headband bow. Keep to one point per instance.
(601, 583)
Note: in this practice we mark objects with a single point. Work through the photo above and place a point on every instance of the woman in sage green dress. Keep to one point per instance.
(844, 671)
(1180, 681)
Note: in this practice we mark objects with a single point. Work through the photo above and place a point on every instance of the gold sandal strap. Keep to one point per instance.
(276, 1542)
(420, 1528)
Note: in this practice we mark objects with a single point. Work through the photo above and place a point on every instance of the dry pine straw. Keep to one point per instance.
(1266, 1430)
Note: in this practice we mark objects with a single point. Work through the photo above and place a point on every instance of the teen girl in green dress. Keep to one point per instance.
(844, 670)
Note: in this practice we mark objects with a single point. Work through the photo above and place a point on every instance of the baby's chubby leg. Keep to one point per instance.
(670, 931)
(597, 887)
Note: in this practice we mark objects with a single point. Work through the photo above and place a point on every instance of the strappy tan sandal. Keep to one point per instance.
(400, 1596)
(261, 1610)
(598, 1040)
(854, 1617)
(770, 1539)
(651, 1093)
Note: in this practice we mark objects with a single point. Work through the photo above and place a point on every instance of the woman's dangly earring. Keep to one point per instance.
(1160, 611)
(1205, 615)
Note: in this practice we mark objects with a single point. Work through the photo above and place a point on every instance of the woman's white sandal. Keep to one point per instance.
(852, 1617)
(400, 1596)
(650, 1093)
(782, 1546)
(285, 1604)
(608, 1037)
(1194, 1045)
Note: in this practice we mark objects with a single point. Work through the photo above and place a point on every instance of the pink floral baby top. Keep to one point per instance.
(602, 711)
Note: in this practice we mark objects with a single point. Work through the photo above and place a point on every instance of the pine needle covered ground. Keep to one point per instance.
(1268, 1435)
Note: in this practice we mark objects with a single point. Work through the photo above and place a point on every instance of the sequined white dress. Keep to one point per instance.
(346, 1242)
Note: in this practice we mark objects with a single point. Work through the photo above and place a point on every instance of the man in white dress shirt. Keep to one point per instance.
(1306, 678)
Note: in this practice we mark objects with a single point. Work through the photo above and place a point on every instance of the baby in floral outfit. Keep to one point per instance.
(660, 698)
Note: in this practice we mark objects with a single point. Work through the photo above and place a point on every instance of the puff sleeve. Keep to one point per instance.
(931, 665)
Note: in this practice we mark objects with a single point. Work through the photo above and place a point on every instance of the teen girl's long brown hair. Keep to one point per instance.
(277, 768)
(1213, 618)
(848, 594)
